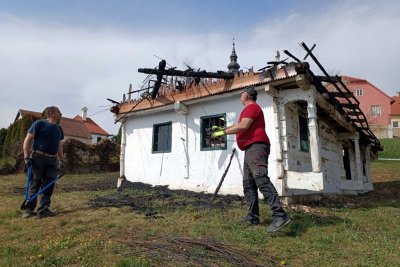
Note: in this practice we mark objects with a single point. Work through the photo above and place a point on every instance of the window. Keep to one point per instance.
(208, 142)
(304, 140)
(376, 110)
(162, 137)
(359, 92)
(98, 139)
(395, 124)
(346, 162)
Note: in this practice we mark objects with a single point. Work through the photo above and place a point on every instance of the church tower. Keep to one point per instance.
(233, 66)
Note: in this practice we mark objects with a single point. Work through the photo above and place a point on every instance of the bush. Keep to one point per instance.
(87, 158)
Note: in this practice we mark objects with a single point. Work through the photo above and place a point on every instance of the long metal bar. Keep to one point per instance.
(188, 73)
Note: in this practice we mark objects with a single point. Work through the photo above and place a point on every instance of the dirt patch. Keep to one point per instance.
(192, 252)
(151, 201)
(98, 185)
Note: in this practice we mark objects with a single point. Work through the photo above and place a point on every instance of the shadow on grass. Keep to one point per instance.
(301, 222)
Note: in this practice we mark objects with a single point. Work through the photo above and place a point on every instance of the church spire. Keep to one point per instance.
(233, 66)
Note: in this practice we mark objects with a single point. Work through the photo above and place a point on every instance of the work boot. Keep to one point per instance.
(247, 220)
(27, 213)
(45, 213)
(278, 223)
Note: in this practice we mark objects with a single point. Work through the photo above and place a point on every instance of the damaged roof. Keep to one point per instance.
(280, 75)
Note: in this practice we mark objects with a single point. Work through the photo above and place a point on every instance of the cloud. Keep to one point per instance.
(353, 38)
(73, 66)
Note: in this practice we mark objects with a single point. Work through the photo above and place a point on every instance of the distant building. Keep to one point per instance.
(395, 115)
(374, 103)
(86, 131)
(96, 132)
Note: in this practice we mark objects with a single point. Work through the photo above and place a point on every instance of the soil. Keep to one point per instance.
(149, 201)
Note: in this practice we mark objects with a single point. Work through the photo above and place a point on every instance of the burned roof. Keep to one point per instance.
(192, 85)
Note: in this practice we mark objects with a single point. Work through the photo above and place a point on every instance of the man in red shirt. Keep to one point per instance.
(252, 138)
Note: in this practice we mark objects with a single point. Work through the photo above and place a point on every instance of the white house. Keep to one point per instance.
(317, 145)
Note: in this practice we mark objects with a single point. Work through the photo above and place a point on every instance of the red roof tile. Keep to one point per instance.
(395, 106)
(70, 127)
(91, 126)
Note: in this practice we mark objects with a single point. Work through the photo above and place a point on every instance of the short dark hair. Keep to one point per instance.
(251, 92)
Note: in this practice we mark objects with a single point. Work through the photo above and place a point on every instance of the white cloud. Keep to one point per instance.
(72, 67)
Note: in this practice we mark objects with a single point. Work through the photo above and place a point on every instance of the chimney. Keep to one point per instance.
(398, 93)
(84, 113)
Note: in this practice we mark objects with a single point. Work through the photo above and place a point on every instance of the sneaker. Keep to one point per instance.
(246, 220)
(278, 223)
(45, 213)
(27, 213)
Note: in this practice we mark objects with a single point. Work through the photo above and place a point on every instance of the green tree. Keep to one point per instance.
(3, 134)
(117, 138)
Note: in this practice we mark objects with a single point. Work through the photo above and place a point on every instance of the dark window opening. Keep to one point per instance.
(98, 139)
(363, 168)
(346, 162)
(162, 137)
(207, 141)
(304, 139)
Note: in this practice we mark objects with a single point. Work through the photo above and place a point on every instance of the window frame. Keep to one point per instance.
(359, 92)
(202, 132)
(372, 110)
(157, 125)
(397, 124)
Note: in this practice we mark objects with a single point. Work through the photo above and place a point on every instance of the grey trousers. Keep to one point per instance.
(44, 170)
(255, 176)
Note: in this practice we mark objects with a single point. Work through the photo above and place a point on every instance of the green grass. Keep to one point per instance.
(184, 231)
(391, 148)
(8, 160)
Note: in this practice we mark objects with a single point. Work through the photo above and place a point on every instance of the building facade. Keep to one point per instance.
(317, 147)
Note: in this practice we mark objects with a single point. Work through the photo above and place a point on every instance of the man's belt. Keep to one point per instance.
(41, 153)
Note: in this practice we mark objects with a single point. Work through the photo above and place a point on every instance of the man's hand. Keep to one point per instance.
(28, 162)
(60, 167)
(218, 133)
(216, 128)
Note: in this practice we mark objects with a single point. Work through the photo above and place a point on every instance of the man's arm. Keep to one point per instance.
(60, 152)
(27, 144)
(242, 126)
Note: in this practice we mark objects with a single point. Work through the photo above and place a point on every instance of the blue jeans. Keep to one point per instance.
(255, 176)
(44, 170)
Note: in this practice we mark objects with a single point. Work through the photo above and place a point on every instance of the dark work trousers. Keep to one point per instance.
(44, 170)
(255, 176)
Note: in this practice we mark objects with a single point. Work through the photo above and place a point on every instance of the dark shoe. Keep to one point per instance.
(246, 220)
(278, 223)
(27, 213)
(45, 213)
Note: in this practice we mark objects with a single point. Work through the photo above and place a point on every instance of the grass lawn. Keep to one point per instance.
(391, 148)
(97, 225)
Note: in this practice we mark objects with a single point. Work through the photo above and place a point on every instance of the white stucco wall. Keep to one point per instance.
(205, 167)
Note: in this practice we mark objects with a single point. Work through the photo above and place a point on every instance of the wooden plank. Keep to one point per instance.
(352, 113)
(359, 120)
(348, 105)
(341, 94)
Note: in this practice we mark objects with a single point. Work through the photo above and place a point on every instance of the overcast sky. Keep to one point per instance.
(79, 53)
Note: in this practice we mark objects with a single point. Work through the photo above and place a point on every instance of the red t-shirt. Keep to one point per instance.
(256, 131)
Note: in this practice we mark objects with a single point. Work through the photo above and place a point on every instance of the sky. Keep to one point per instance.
(78, 53)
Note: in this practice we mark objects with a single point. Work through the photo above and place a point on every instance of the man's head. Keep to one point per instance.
(52, 113)
(249, 94)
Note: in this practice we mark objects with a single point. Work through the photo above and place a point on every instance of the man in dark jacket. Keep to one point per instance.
(252, 138)
(43, 153)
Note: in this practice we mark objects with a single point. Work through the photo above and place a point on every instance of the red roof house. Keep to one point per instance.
(395, 115)
(85, 131)
(374, 103)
